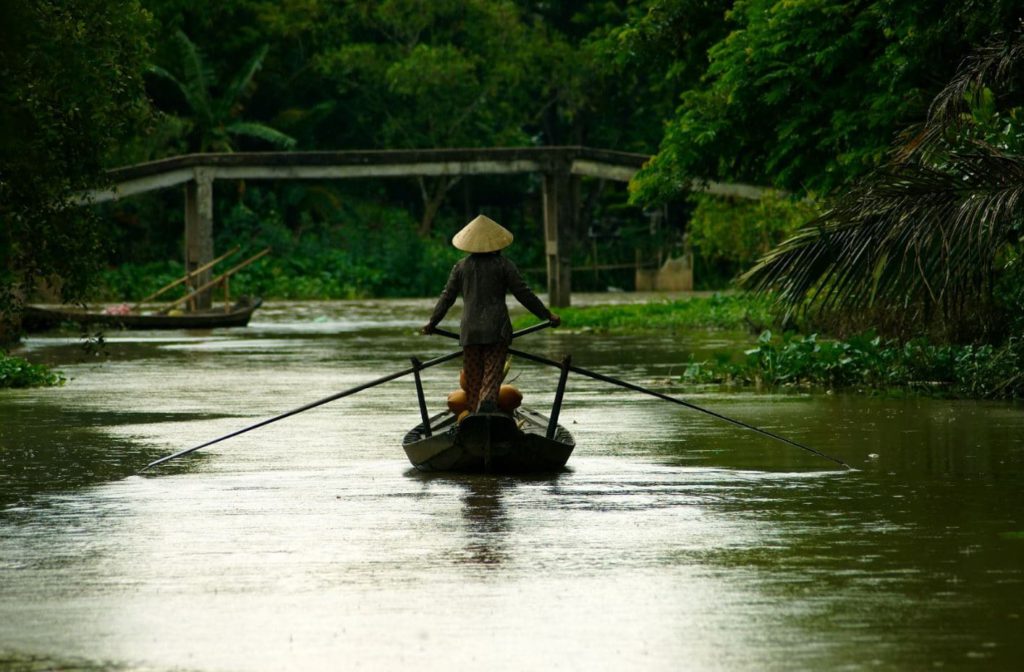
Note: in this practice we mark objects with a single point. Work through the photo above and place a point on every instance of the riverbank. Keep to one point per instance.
(754, 353)
(868, 363)
(733, 311)
(773, 360)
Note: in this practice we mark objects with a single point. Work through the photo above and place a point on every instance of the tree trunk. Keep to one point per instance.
(10, 320)
(433, 199)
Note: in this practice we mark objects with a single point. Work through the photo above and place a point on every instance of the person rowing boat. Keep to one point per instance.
(483, 279)
(491, 440)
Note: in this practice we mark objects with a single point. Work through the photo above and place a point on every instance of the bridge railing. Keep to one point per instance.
(560, 166)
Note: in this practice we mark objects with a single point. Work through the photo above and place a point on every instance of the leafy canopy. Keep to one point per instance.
(932, 236)
(71, 74)
(808, 94)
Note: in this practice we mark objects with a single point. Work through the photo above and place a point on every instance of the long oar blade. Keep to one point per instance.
(675, 400)
(314, 404)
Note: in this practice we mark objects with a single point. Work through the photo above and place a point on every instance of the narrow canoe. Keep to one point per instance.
(489, 442)
(37, 318)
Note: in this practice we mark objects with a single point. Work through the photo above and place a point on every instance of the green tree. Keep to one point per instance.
(70, 88)
(729, 235)
(934, 238)
(808, 94)
(639, 60)
(448, 73)
(214, 119)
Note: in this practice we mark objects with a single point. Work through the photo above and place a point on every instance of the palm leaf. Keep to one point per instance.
(996, 63)
(261, 131)
(910, 236)
(198, 79)
(924, 236)
(233, 93)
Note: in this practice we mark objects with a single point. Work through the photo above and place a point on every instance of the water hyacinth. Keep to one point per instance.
(16, 372)
(868, 361)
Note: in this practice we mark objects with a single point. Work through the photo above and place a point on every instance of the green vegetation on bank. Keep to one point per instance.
(917, 237)
(862, 362)
(869, 362)
(718, 311)
(16, 372)
(361, 251)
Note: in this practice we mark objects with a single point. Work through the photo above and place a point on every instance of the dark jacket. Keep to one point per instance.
(483, 280)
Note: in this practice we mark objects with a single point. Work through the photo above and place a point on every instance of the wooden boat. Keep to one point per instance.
(38, 318)
(489, 442)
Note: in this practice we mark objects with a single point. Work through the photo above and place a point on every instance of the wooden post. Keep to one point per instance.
(416, 366)
(561, 190)
(556, 406)
(199, 232)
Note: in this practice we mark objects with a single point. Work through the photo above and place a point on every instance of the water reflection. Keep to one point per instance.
(674, 541)
(49, 448)
(486, 522)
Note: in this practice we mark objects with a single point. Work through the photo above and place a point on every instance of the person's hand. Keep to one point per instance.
(555, 320)
(427, 329)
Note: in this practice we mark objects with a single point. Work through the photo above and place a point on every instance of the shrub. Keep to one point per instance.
(16, 372)
(729, 235)
(867, 361)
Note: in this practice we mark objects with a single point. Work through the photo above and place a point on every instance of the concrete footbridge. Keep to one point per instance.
(561, 168)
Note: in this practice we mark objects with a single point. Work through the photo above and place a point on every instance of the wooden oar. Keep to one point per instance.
(226, 274)
(516, 334)
(674, 400)
(314, 404)
(659, 395)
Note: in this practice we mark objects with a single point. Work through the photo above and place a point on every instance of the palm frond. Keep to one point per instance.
(910, 235)
(996, 63)
(233, 93)
(993, 64)
(261, 131)
(198, 78)
(169, 76)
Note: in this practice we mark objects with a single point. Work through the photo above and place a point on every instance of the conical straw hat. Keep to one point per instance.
(483, 234)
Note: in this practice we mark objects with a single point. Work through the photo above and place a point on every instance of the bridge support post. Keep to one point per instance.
(561, 191)
(199, 232)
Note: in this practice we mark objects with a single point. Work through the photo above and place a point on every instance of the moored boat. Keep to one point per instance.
(490, 442)
(38, 318)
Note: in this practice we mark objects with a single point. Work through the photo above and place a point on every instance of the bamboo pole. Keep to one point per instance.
(226, 274)
(188, 276)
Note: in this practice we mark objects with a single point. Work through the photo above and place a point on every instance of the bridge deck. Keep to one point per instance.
(560, 166)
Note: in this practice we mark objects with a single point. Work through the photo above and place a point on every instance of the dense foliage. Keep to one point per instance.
(70, 87)
(213, 120)
(932, 241)
(727, 235)
(806, 94)
(803, 96)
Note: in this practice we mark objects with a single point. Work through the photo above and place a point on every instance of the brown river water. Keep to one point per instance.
(672, 541)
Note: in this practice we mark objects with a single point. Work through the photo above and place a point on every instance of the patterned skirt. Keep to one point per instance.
(484, 365)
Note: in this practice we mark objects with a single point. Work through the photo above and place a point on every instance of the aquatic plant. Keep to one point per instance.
(869, 362)
(16, 372)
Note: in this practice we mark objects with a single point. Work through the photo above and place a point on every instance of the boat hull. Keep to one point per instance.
(36, 318)
(489, 442)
